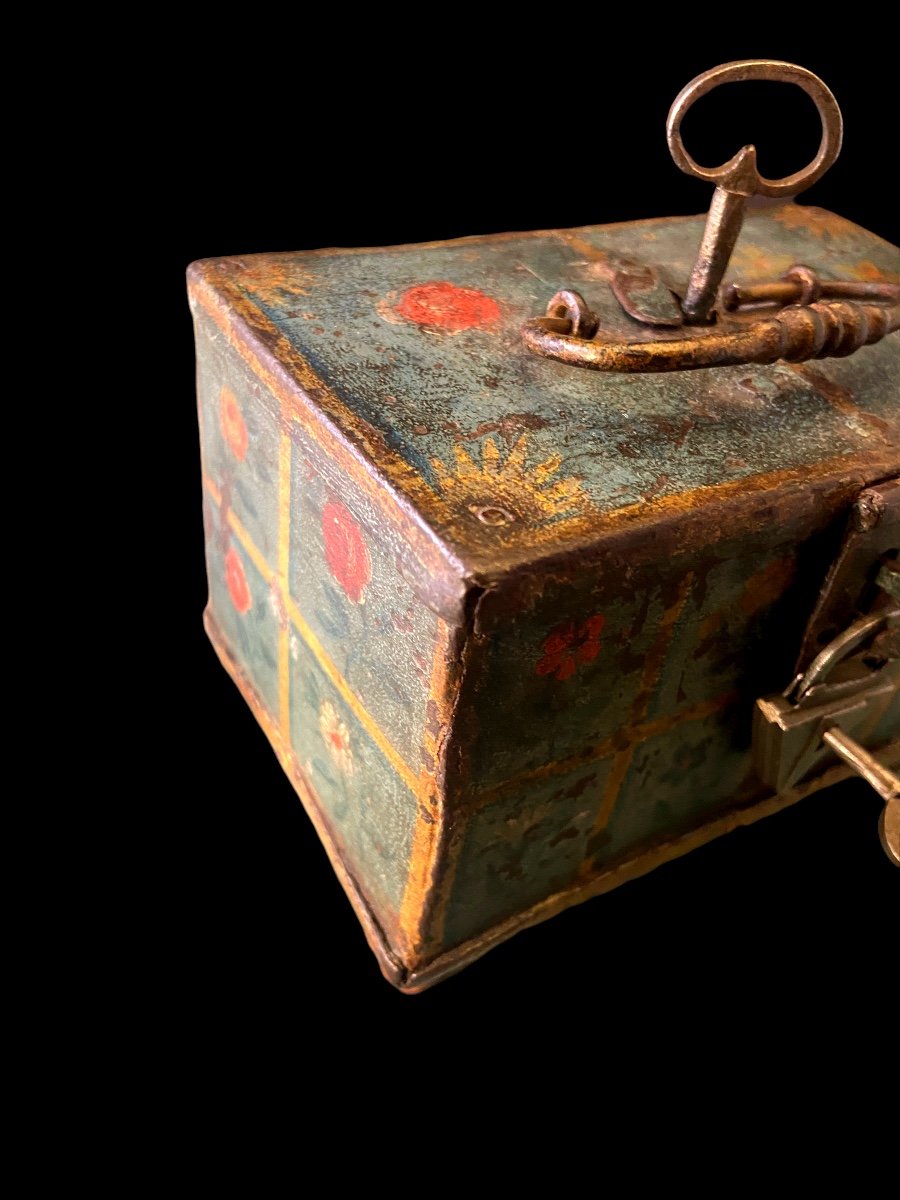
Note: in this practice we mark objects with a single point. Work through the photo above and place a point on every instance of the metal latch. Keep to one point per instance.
(837, 705)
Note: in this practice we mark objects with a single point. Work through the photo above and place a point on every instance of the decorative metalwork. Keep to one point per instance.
(846, 690)
(811, 318)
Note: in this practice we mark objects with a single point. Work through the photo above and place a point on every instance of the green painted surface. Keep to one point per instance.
(686, 643)
(605, 697)
(430, 390)
(377, 635)
(522, 847)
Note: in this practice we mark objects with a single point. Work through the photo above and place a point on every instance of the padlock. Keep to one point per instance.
(836, 707)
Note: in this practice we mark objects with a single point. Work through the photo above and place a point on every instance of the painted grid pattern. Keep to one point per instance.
(422, 787)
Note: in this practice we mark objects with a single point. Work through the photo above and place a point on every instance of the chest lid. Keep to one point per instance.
(434, 363)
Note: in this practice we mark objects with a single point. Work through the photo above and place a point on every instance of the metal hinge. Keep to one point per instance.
(846, 700)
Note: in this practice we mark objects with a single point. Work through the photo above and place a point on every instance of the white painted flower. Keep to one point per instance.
(294, 645)
(276, 603)
(336, 737)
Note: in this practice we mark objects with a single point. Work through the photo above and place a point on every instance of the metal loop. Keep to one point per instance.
(739, 174)
(838, 649)
(571, 306)
(889, 831)
(808, 283)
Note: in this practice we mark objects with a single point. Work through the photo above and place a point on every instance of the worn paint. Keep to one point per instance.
(345, 551)
(447, 307)
(504, 620)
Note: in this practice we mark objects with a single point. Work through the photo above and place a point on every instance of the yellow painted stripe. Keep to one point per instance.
(284, 682)
(284, 506)
(653, 665)
(249, 546)
(212, 488)
(353, 703)
(605, 748)
(614, 781)
(237, 528)
(234, 524)
(368, 722)
(641, 731)
(379, 934)
(693, 712)
(430, 811)
(608, 878)
(284, 544)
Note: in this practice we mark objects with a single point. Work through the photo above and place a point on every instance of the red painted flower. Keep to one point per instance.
(237, 581)
(231, 421)
(571, 644)
(345, 551)
(336, 736)
(446, 306)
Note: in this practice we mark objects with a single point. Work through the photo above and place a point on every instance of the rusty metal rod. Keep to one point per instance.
(723, 225)
(885, 782)
(791, 291)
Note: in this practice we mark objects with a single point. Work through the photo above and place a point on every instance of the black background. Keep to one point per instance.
(306, 145)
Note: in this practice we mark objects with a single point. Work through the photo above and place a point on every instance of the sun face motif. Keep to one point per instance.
(504, 491)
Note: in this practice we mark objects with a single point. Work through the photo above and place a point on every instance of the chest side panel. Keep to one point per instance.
(313, 608)
(611, 708)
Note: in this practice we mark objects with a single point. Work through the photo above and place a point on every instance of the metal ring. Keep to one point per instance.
(739, 174)
(571, 306)
(808, 282)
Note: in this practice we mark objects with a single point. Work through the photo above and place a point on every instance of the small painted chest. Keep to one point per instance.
(503, 620)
